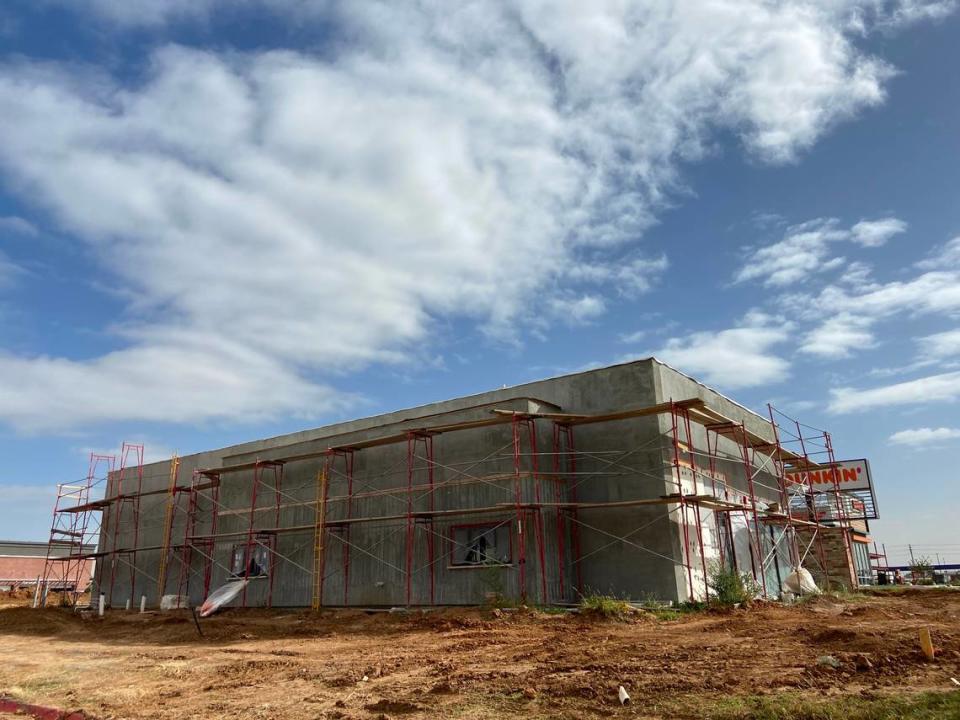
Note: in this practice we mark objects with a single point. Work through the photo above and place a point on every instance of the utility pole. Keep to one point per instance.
(912, 561)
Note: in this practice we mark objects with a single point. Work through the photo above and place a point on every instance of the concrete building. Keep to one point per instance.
(630, 480)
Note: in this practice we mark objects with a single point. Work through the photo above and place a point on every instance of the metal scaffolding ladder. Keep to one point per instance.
(69, 536)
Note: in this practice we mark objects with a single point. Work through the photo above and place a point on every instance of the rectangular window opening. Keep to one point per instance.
(256, 565)
(481, 545)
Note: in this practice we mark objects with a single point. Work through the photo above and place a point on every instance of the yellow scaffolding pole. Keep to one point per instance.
(168, 526)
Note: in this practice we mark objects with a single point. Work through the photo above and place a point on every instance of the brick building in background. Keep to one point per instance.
(22, 562)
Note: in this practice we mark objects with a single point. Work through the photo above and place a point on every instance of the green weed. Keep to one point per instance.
(788, 706)
(606, 606)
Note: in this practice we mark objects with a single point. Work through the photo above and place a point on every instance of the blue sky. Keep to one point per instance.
(227, 220)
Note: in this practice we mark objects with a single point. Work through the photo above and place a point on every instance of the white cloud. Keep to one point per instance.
(627, 276)
(913, 11)
(942, 349)
(145, 13)
(802, 252)
(9, 271)
(945, 256)
(940, 346)
(932, 292)
(276, 217)
(854, 304)
(806, 250)
(633, 337)
(187, 380)
(855, 15)
(734, 358)
(926, 390)
(874, 233)
(925, 436)
(838, 336)
(17, 226)
(577, 310)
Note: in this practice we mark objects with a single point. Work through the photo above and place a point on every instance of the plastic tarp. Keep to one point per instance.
(776, 554)
(800, 582)
(174, 602)
(742, 542)
(221, 596)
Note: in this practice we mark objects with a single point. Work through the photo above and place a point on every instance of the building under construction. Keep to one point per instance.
(632, 480)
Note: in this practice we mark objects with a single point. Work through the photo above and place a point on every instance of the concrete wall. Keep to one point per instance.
(621, 460)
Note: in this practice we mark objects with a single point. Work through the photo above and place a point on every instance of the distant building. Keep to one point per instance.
(22, 562)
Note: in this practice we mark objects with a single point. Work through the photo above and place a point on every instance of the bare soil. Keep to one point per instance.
(472, 663)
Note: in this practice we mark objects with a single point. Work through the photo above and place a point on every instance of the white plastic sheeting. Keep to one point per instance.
(800, 582)
(174, 602)
(221, 596)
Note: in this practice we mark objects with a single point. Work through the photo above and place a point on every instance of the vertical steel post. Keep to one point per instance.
(168, 527)
(208, 560)
(570, 454)
(272, 549)
(675, 439)
(319, 547)
(518, 499)
(721, 518)
(531, 426)
(247, 558)
(118, 504)
(558, 498)
(696, 507)
(348, 459)
(186, 551)
(411, 456)
(428, 451)
(748, 468)
(842, 518)
(818, 532)
(135, 507)
(782, 481)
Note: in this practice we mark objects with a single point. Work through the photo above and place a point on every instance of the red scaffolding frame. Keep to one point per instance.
(807, 449)
(200, 483)
(515, 473)
(116, 554)
(70, 530)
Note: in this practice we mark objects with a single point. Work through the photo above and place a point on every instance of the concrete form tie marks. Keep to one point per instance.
(702, 495)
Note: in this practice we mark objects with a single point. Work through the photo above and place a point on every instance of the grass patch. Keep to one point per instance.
(788, 706)
(667, 613)
(675, 612)
(549, 609)
(837, 595)
(606, 606)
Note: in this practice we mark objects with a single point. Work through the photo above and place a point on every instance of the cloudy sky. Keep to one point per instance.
(221, 220)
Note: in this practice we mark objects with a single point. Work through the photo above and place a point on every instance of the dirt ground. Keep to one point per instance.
(473, 663)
